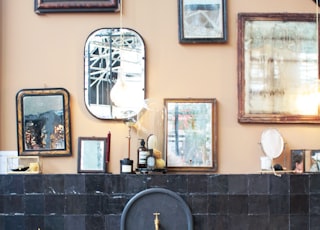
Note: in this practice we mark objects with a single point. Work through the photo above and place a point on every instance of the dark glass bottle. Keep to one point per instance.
(142, 155)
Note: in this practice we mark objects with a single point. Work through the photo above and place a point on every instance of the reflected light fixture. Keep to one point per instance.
(124, 99)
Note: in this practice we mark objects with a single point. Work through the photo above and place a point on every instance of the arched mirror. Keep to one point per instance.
(114, 77)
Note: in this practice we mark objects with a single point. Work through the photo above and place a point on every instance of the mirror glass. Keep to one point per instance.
(114, 78)
(191, 134)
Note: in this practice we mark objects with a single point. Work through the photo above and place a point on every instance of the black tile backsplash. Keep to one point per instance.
(216, 201)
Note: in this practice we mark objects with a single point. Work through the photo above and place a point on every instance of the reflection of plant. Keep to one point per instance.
(192, 132)
(44, 131)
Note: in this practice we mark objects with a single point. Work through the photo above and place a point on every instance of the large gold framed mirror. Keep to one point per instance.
(114, 76)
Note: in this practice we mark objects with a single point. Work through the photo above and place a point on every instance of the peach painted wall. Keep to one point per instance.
(39, 51)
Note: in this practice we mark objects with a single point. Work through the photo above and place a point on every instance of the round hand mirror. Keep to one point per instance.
(114, 61)
(272, 143)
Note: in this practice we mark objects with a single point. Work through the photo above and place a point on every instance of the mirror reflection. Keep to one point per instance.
(114, 76)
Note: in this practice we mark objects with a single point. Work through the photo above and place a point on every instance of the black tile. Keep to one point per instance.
(199, 204)
(315, 183)
(34, 204)
(74, 184)
(299, 204)
(53, 222)
(1, 204)
(53, 184)
(315, 204)
(298, 222)
(34, 222)
(74, 222)
(279, 222)
(279, 204)
(177, 183)
(33, 184)
(197, 184)
(218, 204)
(95, 222)
(258, 205)
(3, 177)
(155, 181)
(94, 183)
(258, 184)
(299, 184)
(238, 204)
(113, 184)
(94, 204)
(13, 204)
(218, 184)
(200, 222)
(235, 221)
(75, 204)
(279, 185)
(258, 222)
(238, 184)
(134, 184)
(219, 221)
(112, 222)
(314, 222)
(14, 222)
(13, 184)
(54, 204)
(114, 204)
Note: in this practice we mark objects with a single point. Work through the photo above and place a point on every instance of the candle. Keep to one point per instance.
(108, 147)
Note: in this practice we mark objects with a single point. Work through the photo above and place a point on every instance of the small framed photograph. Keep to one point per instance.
(92, 154)
(298, 160)
(55, 6)
(202, 21)
(191, 134)
(43, 122)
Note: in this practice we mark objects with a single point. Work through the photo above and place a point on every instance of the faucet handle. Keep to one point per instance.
(156, 220)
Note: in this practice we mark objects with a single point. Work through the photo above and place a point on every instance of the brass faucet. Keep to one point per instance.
(156, 220)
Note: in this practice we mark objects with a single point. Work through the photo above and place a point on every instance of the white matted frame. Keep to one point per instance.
(92, 154)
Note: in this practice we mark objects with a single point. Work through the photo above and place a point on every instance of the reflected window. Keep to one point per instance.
(114, 61)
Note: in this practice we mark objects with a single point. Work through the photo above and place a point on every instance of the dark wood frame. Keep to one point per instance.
(86, 152)
(195, 131)
(183, 38)
(261, 117)
(58, 6)
(39, 126)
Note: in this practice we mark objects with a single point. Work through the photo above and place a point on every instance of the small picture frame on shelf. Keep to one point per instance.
(92, 154)
(202, 21)
(298, 160)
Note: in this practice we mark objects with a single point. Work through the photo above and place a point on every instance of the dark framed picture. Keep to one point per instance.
(56, 6)
(202, 21)
(92, 154)
(43, 122)
(298, 160)
(278, 68)
(191, 134)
